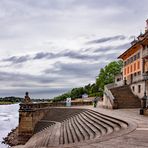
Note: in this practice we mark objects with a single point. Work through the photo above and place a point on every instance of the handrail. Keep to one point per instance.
(111, 85)
(109, 95)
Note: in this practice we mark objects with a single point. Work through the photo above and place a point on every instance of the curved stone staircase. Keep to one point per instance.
(72, 126)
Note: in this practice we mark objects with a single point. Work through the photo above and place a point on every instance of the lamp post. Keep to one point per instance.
(144, 98)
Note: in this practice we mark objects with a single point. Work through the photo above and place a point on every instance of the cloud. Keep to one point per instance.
(75, 70)
(106, 39)
(17, 60)
(85, 35)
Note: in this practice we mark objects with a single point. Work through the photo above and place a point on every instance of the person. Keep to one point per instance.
(95, 101)
(27, 98)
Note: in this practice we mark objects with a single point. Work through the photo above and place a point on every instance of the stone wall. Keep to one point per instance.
(28, 118)
(134, 88)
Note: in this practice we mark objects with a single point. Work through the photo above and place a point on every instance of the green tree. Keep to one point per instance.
(107, 74)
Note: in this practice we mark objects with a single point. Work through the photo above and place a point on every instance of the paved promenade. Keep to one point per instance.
(136, 138)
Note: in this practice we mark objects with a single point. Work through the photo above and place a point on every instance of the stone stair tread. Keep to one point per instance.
(110, 125)
(125, 98)
(78, 133)
(69, 133)
(81, 129)
(119, 121)
(104, 128)
(55, 136)
(93, 125)
(85, 127)
(88, 126)
(74, 135)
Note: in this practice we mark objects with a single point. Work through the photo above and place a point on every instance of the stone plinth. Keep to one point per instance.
(29, 115)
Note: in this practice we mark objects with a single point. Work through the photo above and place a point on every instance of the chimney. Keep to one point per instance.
(146, 28)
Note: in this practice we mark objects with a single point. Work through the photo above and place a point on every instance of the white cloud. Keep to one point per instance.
(61, 29)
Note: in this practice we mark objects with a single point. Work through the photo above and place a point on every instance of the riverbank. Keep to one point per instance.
(12, 138)
(9, 117)
(6, 103)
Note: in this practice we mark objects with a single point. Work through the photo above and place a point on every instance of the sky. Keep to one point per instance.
(48, 47)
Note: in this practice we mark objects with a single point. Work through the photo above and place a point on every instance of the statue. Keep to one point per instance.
(27, 98)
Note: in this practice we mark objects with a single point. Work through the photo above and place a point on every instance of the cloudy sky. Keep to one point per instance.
(50, 46)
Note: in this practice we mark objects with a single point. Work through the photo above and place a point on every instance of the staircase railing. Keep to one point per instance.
(109, 100)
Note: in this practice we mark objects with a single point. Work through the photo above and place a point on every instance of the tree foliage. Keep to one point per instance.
(105, 76)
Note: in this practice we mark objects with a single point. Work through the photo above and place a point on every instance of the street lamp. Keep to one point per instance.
(144, 98)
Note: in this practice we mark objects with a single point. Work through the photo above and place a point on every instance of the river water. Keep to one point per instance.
(8, 120)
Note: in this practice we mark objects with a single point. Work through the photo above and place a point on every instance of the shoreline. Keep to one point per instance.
(7, 103)
(12, 138)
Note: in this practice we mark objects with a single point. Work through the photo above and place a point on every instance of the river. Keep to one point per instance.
(8, 120)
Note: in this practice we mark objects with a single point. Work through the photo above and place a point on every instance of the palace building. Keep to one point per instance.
(135, 61)
(131, 86)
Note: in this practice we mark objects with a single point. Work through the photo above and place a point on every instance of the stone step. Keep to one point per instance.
(69, 133)
(65, 133)
(78, 133)
(95, 127)
(87, 126)
(110, 126)
(62, 133)
(40, 139)
(81, 129)
(104, 128)
(73, 132)
(120, 123)
(55, 136)
(42, 125)
(125, 98)
(116, 125)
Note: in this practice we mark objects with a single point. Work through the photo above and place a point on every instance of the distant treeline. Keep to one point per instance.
(11, 99)
(105, 76)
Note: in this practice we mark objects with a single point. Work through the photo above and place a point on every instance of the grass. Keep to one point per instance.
(5, 102)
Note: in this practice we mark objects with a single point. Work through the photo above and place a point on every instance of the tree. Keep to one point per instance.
(107, 74)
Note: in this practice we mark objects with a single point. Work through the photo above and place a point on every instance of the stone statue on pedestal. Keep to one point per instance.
(27, 98)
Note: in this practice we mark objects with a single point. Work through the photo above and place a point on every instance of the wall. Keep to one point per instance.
(135, 91)
(27, 122)
(134, 67)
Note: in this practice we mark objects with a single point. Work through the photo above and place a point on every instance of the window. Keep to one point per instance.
(134, 66)
(134, 57)
(133, 88)
(139, 88)
(138, 65)
(131, 68)
(124, 71)
(127, 70)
